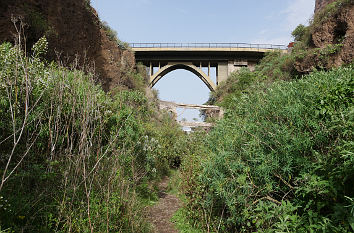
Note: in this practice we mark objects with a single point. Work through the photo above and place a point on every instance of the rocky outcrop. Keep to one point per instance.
(337, 28)
(321, 3)
(74, 33)
(332, 37)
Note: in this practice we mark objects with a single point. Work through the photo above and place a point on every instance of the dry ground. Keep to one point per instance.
(160, 214)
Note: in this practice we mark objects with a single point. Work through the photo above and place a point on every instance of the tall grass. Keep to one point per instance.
(73, 157)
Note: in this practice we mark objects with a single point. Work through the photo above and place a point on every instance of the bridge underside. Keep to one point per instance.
(171, 66)
(224, 60)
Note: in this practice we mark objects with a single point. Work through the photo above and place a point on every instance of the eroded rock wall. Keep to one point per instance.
(337, 29)
(331, 37)
(321, 3)
(74, 32)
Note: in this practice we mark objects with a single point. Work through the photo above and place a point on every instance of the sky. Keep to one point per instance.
(183, 21)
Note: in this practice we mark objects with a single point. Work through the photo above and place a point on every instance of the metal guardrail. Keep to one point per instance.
(207, 45)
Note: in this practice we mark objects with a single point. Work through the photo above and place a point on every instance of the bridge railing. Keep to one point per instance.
(207, 45)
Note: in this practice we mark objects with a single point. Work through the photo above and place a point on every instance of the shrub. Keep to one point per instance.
(112, 34)
(302, 36)
(281, 160)
(299, 32)
(273, 67)
(72, 157)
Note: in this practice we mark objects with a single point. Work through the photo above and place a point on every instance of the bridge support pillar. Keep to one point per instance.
(222, 72)
(209, 69)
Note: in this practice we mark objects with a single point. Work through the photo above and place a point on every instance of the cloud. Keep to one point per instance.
(298, 12)
(142, 3)
(274, 41)
(263, 32)
(182, 11)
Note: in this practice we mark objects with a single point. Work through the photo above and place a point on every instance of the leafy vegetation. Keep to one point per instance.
(280, 161)
(73, 158)
(302, 34)
(282, 158)
(275, 66)
(76, 159)
(113, 36)
(182, 224)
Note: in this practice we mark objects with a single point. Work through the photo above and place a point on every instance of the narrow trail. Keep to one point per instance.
(160, 214)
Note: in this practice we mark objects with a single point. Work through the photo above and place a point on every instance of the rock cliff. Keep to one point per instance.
(336, 27)
(74, 33)
(331, 42)
(321, 3)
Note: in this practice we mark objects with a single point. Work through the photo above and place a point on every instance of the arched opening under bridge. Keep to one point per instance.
(198, 71)
(183, 86)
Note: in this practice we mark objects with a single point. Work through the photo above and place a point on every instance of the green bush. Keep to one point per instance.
(273, 67)
(280, 161)
(74, 158)
(299, 32)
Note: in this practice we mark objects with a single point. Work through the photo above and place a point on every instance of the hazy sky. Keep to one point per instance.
(251, 21)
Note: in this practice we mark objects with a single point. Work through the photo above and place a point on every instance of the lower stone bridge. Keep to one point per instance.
(171, 107)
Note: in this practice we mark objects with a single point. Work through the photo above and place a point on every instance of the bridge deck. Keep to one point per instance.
(216, 46)
(262, 50)
(158, 53)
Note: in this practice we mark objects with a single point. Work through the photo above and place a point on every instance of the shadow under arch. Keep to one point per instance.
(187, 66)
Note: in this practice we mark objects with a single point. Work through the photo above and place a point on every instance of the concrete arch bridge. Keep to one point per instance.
(225, 57)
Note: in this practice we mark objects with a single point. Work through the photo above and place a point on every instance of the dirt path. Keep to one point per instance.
(160, 214)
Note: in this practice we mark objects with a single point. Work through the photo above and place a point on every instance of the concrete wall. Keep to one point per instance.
(222, 72)
(236, 65)
(252, 65)
(232, 67)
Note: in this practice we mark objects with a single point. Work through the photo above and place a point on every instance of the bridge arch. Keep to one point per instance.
(186, 66)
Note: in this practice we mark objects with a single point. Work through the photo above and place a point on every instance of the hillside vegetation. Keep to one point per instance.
(282, 159)
(74, 158)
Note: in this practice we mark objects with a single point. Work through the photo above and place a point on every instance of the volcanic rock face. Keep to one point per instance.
(74, 33)
(337, 29)
(321, 3)
(332, 31)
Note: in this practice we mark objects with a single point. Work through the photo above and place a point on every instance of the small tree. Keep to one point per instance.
(299, 32)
